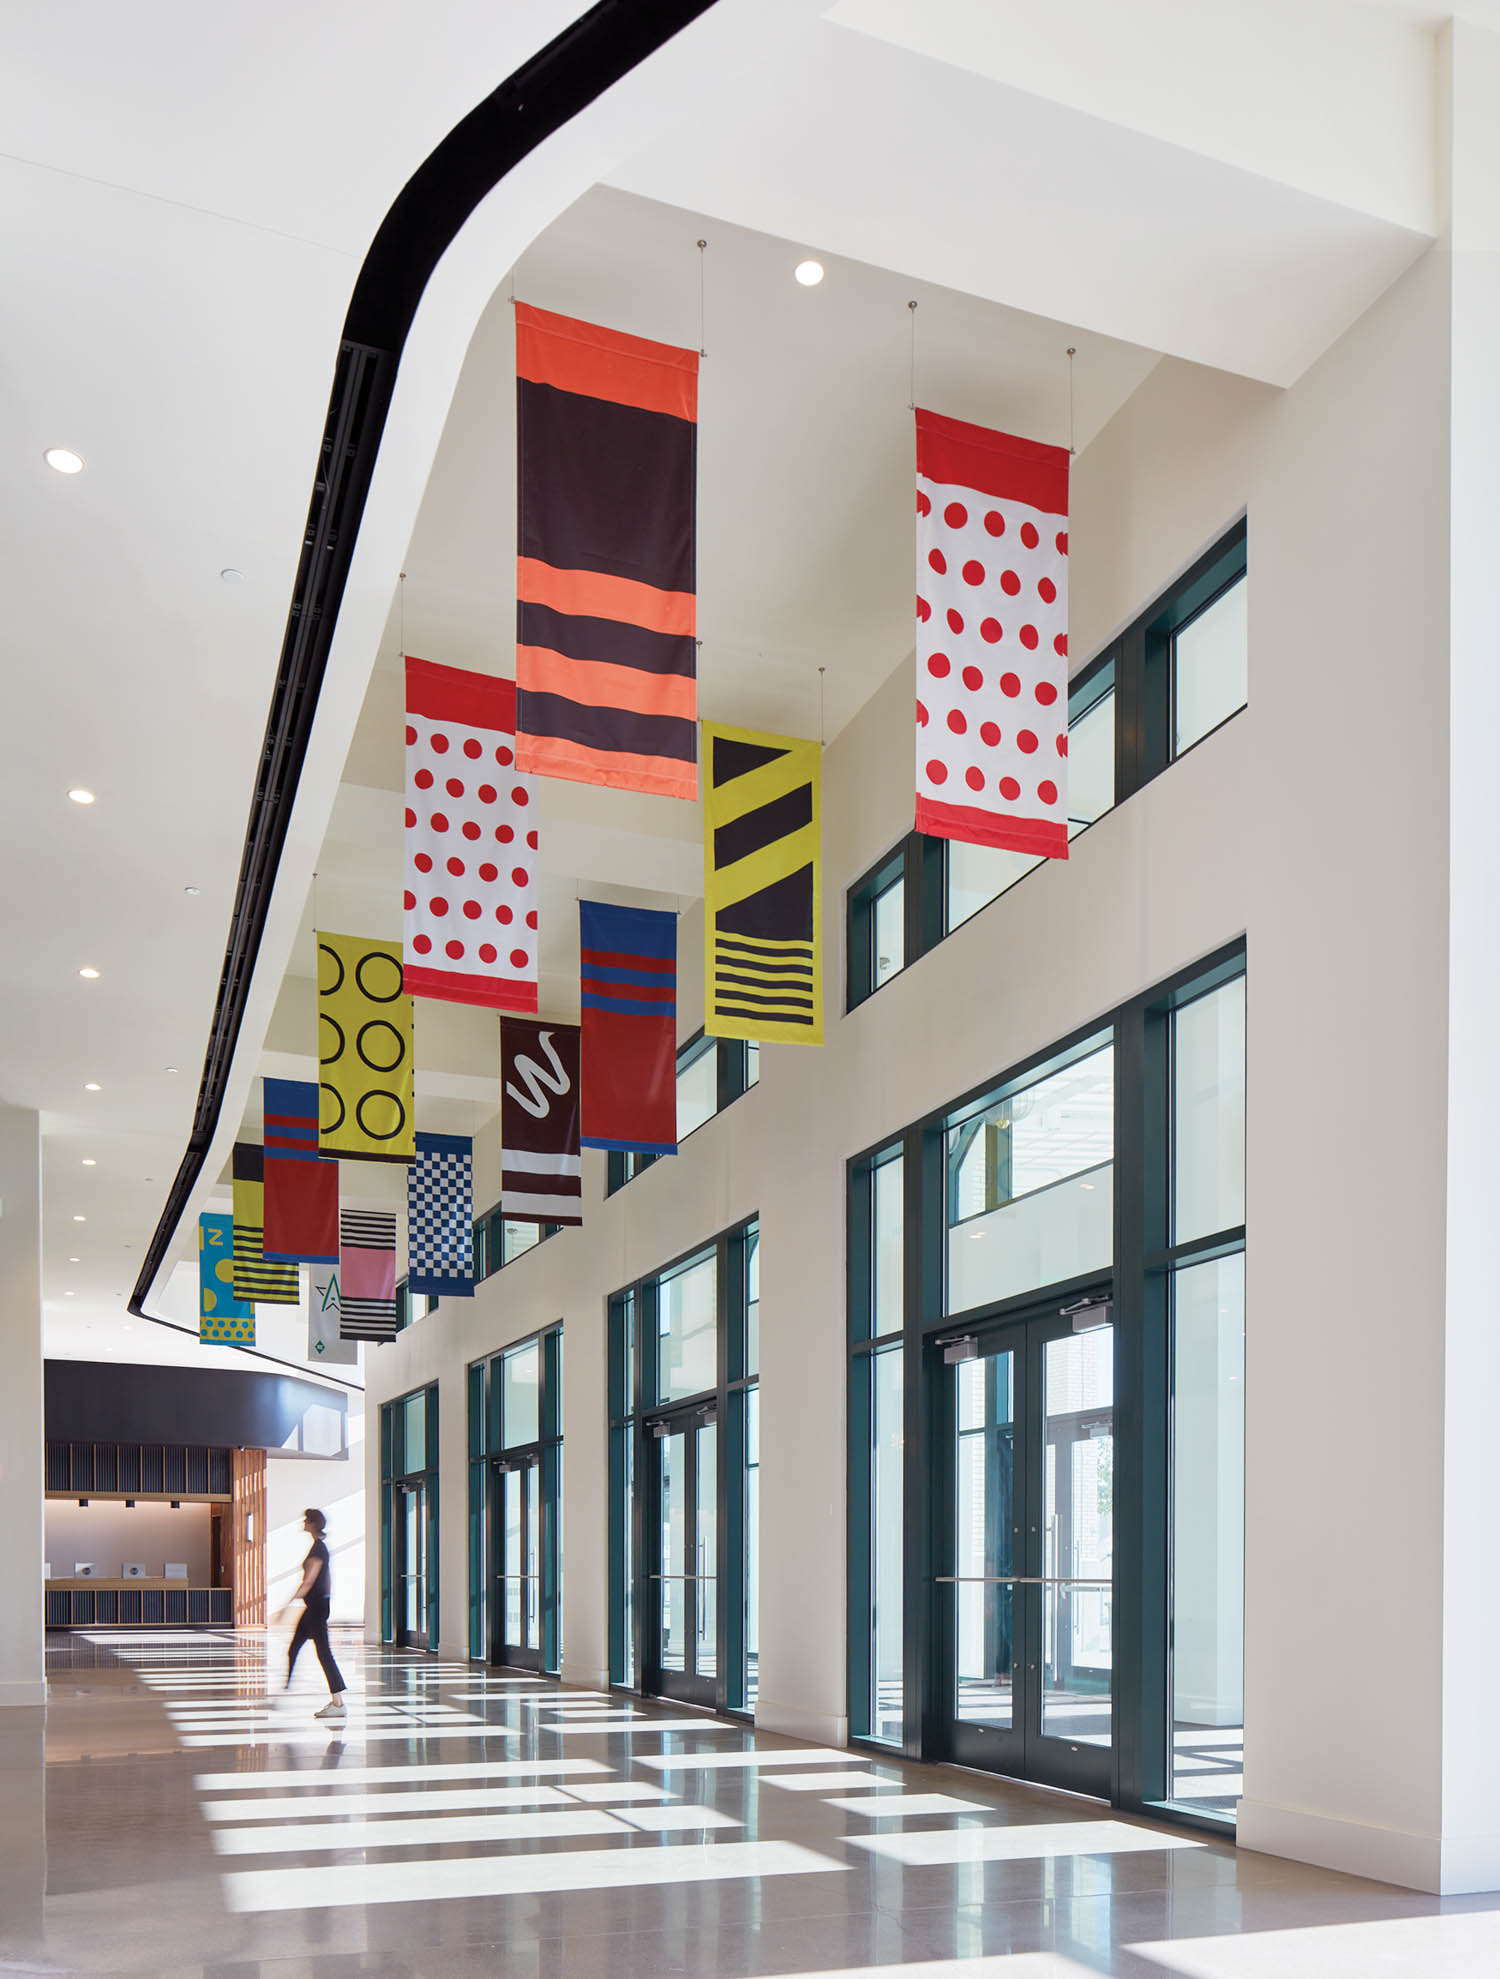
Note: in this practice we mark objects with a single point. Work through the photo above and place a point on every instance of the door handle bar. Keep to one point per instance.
(1020, 1580)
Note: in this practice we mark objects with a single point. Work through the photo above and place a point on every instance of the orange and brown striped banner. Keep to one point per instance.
(606, 604)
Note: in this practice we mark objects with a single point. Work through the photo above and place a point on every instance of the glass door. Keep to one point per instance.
(683, 1628)
(411, 1582)
(517, 1547)
(1024, 1595)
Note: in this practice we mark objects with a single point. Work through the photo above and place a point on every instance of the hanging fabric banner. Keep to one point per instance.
(541, 1169)
(302, 1192)
(992, 638)
(367, 1274)
(254, 1279)
(628, 994)
(222, 1318)
(440, 1217)
(365, 1051)
(762, 887)
(606, 605)
(471, 842)
(324, 1341)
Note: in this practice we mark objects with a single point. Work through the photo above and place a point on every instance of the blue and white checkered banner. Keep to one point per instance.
(440, 1217)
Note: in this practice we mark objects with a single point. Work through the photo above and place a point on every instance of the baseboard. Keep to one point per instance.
(583, 1678)
(817, 1727)
(1359, 1848)
(27, 1693)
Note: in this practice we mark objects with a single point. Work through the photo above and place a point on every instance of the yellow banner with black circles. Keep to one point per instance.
(762, 886)
(366, 1107)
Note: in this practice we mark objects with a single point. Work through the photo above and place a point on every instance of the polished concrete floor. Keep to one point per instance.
(177, 1816)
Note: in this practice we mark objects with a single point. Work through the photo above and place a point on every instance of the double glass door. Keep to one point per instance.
(517, 1503)
(1026, 1546)
(411, 1577)
(683, 1630)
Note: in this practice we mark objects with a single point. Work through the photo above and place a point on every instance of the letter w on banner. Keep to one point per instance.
(992, 638)
(470, 926)
(606, 579)
(541, 1168)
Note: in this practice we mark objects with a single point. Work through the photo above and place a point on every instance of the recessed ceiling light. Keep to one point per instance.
(72, 1260)
(89, 975)
(192, 889)
(92, 1086)
(81, 796)
(171, 1068)
(809, 273)
(63, 460)
(232, 576)
(89, 1161)
(80, 1219)
(67, 1295)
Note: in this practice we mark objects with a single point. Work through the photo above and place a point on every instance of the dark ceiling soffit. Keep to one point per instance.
(568, 75)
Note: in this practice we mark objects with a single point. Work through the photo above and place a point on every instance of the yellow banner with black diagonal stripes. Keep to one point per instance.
(762, 886)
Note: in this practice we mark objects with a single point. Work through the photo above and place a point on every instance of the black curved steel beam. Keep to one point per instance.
(563, 79)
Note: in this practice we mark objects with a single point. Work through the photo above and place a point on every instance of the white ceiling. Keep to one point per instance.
(187, 195)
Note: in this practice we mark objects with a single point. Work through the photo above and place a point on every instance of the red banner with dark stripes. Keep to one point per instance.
(606, 575)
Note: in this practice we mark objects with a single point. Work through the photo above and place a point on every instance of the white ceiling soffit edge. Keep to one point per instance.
(704, 60)
(863, 150)
(1330, 97)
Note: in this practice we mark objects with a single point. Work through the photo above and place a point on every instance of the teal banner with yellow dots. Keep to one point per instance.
(222, 1318)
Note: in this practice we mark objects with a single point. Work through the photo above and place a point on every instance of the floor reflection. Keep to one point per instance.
(186, 1819)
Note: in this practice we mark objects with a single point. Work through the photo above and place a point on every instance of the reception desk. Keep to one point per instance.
(145, 1603)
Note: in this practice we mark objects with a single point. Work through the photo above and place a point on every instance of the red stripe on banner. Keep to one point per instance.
(605, 364)
(591, 594)
(600, 958)
(301, 1210)
(628, 992)
(601, 684)
(975, 827)
(999, 464)
(454, 986)
(629, 1079)
(478, 700)
(615, 769)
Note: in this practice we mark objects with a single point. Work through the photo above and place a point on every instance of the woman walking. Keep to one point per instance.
(316, 1594)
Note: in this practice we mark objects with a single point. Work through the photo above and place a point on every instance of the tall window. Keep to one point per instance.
(684, 1477)
(409, 1519)
(515, 1504)
(1030, 1183)
(877, 1446)
(1207, 1320)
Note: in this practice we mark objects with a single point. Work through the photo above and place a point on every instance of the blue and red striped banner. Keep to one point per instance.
(628, 996)
(302, 1191)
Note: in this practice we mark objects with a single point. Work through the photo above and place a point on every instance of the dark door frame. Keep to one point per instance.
(414, 1486)
(526, 1461)
(1026, 1750)
(685, 1686)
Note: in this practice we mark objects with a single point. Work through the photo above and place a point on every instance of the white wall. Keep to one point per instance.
(1316, 822)
(336, 1486)
(108, 1533)
(21, 1660)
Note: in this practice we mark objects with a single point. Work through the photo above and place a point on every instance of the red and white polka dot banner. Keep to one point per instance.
(992, 638)
(470, 924)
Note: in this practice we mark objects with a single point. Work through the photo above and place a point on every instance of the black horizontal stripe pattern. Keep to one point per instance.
(782, 911)
(752, 993)
(776, 972)
(606, 487)
(608, 639)
(755, 991)
(765, 951)
(763, 826)
(611, 730)
(765, 1016)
